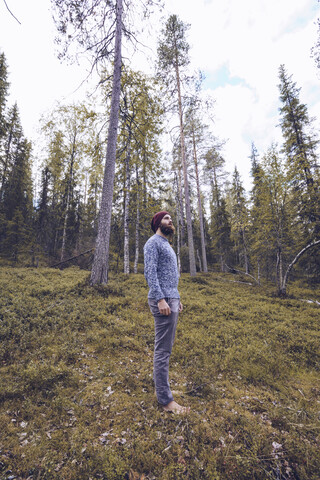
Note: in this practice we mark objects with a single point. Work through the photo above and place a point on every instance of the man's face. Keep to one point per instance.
(166, 225)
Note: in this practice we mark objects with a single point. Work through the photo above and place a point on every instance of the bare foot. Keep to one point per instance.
(174, 407)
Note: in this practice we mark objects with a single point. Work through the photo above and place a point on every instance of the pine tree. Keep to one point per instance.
(172, 58)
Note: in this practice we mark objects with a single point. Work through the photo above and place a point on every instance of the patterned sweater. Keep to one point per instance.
(160, 268)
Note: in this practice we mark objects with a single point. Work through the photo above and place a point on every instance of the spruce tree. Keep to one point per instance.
(4, 90)
(239, 220)
(300, 148)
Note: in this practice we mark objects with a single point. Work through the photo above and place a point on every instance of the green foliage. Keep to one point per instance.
(300, 144)
(77, 397)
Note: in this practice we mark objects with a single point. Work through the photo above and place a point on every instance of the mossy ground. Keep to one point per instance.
(76, 392)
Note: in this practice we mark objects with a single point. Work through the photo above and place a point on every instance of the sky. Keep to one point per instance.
(238, 46)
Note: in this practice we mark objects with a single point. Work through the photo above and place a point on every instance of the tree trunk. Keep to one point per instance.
(5, 164)
(283, 287)
(192, 260)
(199, 261)
(245, 251)
(126, 219)
(136, 257)
(203, 244)
(279, 269)
(100, 267)
(66, 215)
(178, 213)
(180, 204)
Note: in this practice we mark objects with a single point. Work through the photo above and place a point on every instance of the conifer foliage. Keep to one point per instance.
(16, 196)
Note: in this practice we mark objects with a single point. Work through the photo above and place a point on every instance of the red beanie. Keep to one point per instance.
(156, 220)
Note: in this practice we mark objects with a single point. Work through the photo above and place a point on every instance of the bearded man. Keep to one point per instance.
(162, 275)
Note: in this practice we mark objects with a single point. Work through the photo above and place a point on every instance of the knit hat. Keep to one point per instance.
(156, 220)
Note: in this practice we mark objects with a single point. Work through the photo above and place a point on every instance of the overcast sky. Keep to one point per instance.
(239, 45)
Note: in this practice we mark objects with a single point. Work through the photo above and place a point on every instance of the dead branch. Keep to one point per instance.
(11, 12)
(243, 273)
(72, 258)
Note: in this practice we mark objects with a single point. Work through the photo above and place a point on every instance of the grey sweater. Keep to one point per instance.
(160, 268)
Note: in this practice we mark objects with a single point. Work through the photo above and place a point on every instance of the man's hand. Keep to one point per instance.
(164, 308)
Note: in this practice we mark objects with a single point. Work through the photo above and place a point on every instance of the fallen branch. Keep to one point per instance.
(234, 281)
(72, 258)
(310, 301)
(243, 273)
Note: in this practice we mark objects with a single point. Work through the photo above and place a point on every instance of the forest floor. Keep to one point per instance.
(76, 392)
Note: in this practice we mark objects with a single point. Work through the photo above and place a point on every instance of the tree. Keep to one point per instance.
(220, 220)
(70, 132)
(172, 57)
(4, 87)
(138, 151)
(239, 218)
(16, 199)
(98, 26)
(257, 174)
(195, 131)
(300, 148)
(315, 50)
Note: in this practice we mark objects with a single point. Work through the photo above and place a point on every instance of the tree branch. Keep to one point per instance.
(243, 273)
(285, 278)
(11, 12)
(72, 258)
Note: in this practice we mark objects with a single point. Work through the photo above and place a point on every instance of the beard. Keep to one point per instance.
(167, 230)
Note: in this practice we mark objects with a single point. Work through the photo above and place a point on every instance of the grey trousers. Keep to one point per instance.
(165, 330)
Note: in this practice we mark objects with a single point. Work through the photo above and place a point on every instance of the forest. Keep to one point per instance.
(104, 171)
(77, 398)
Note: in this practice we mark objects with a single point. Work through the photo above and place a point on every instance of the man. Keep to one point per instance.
(161, 273)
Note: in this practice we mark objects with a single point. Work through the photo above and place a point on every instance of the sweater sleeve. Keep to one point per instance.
(151, 257)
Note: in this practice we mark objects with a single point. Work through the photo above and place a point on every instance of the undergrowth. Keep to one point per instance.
(76, 392)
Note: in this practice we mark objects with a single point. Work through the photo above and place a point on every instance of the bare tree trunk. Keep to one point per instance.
(64, 231)
(192, 260)
(126, 219)
(66, 215)
(199, 260)
(136, 257)
(283, 286)
(180, 203)
(178, 213)
(222, 263)
(100, 267)
(245, 250)
(203, 245)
